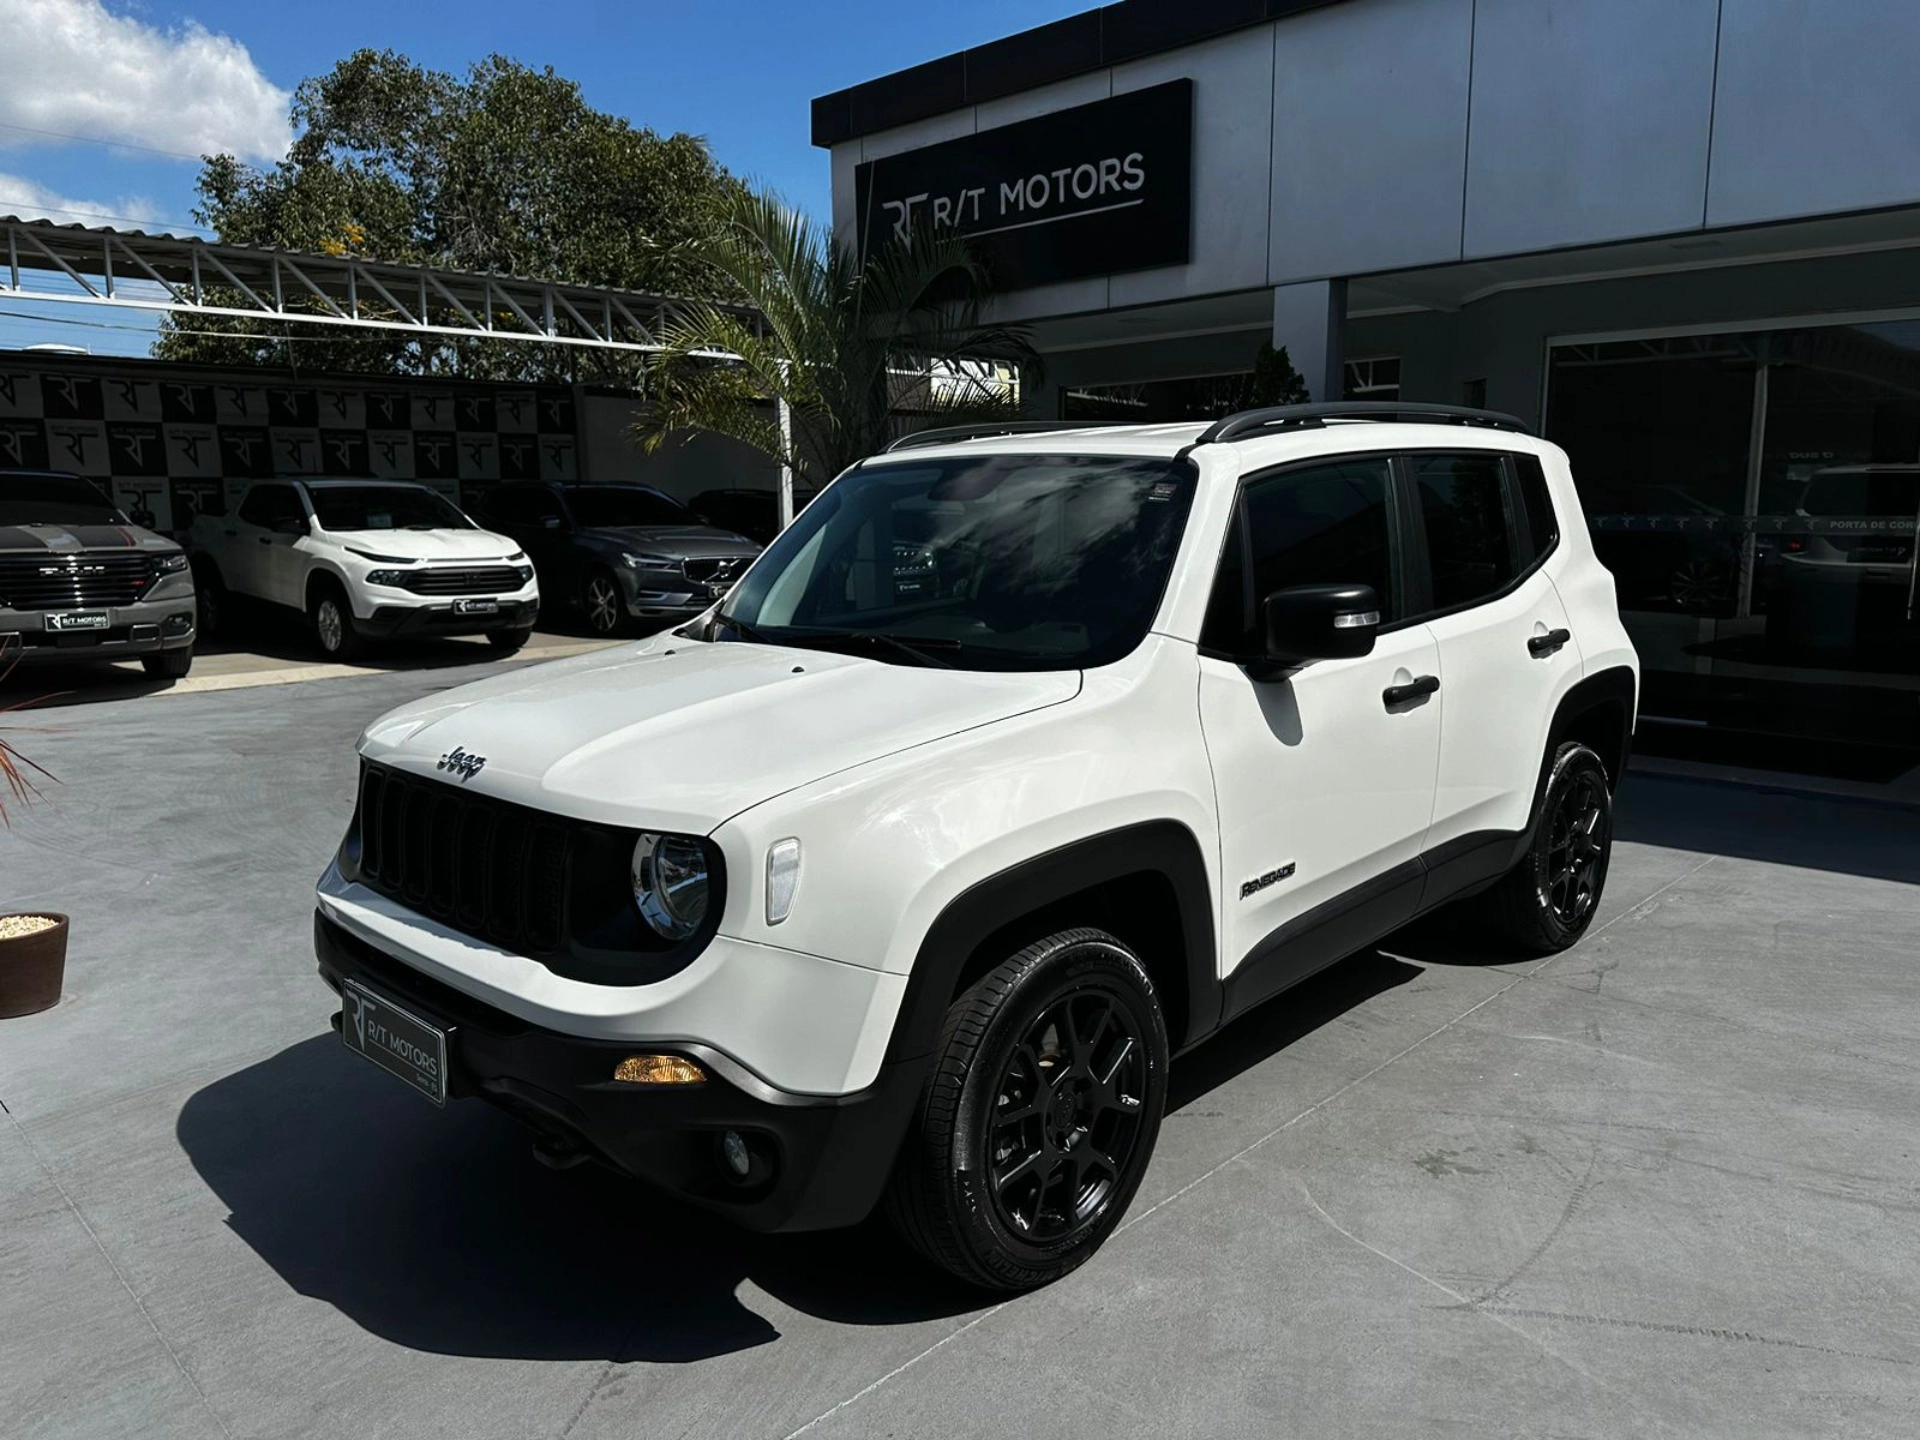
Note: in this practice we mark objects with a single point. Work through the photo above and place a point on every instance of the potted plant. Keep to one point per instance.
(33, 945)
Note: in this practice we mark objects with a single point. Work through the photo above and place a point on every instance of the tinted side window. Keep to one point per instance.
(266, 504)
(1324, 525)
(1543, 527)
(1464, 512)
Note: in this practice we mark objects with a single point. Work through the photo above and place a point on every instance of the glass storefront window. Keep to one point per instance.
(1755, 495)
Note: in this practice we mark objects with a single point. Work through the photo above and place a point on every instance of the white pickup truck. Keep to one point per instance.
(364, 560)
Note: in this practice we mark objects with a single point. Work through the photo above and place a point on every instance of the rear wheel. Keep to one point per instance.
(600, 603)
(332, 619)
(1547, 901)
(1039, 1118)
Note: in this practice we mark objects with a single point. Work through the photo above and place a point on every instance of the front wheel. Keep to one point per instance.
(1037, 1122)
(168, 664)
(600, 603)
(333, 628)
(1547, 901)
(508, 642)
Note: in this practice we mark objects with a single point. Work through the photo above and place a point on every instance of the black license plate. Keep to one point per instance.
(476, 607)
(396, 1040)
(70, 620)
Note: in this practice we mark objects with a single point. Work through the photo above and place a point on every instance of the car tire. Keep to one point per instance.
(210, 602)
(508, 642)
(332, 620)
(1547, 901)
(1037, 1121)
(168, 664)
(601, 607)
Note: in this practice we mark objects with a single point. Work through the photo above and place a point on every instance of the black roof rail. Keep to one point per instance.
(987, 429)
(1249, 422)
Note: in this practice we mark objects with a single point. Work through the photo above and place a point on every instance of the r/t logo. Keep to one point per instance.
(12, 446)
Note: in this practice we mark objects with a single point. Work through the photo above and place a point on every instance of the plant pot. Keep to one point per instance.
(31, 966)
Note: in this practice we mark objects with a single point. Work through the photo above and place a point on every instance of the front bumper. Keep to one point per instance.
(819, 1162)
(146, 628)
(391, 621)
(654, 594)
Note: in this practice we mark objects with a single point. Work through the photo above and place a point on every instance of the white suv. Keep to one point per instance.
(904, 879)
(364, 560)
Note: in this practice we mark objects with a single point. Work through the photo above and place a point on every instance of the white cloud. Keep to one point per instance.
(32, 201)
(75, 67)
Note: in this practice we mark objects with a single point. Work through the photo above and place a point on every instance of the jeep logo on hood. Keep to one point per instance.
(459, 762)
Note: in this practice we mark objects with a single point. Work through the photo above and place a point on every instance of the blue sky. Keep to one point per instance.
(175, 75)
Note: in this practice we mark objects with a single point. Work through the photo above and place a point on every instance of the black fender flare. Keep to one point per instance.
(1162, 847)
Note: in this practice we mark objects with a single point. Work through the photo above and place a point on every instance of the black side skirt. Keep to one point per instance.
(1338, 927)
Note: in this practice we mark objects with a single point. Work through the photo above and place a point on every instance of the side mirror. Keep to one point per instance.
(550, 522)
(293, 525)
(1319, 622)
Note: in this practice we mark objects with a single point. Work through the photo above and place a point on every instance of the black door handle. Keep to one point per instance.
(1399, 694)
(1548, 643)
(266, 540)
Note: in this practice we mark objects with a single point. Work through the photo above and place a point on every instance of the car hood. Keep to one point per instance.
(71, 539)
(685, 542)
(675, 734)
(427, 544)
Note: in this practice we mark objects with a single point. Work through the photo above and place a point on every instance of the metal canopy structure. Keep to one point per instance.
(185, 275)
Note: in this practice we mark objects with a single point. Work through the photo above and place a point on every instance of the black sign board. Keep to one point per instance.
(1095, 190)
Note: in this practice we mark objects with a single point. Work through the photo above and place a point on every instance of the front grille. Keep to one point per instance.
(73, 582)
(474, 580)
(493, 870)
(715, 571)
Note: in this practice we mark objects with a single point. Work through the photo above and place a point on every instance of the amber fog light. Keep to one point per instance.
(658, 1070)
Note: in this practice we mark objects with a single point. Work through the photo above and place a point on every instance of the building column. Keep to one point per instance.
(1309, 319)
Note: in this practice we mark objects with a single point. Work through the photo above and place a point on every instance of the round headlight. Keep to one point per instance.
(670, 884)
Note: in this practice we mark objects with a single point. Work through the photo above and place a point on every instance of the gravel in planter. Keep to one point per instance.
(12, 927)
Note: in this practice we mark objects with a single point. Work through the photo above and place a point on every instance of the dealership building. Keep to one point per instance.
(1681, 237)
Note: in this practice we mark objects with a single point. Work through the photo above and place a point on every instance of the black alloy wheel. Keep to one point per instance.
(1037, 1121)
(1547, 901)
(1067, 1116)
(1576, 853)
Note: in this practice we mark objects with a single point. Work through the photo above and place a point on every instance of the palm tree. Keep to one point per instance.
(837, 347)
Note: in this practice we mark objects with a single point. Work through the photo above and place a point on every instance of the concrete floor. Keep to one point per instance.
(1668, 1183)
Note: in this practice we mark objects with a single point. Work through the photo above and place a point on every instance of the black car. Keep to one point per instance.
(614, 552)
(753, 513)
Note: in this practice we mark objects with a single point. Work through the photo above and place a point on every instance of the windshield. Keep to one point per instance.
(54, 500)
(616, 507)
(1863, 493)
(383, 507)
(1003, 562)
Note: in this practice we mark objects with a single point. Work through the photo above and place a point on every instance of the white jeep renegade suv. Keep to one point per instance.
(1023, 761)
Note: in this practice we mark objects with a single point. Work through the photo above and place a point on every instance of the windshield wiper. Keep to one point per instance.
(917, 648)
(744, 631)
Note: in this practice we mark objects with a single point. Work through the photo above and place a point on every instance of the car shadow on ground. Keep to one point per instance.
(440, 1232)
(437, 1230)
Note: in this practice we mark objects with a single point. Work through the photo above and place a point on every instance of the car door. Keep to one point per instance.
(281, 549)
(532, 517)
(251, 534)
(1483, 535)
(1323, 781)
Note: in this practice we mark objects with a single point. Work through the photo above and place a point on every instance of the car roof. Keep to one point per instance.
(332, 482)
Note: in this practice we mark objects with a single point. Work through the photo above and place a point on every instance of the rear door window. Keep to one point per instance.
(1468, 525)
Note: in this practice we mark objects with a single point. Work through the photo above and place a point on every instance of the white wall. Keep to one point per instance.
(1386, 134)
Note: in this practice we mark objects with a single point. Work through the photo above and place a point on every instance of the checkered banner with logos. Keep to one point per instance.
(161, 443)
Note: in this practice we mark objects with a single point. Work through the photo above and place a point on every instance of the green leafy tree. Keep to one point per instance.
(855, 352)
(506, 169)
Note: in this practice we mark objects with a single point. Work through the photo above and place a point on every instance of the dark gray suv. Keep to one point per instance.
(616, 552)
(80, 581)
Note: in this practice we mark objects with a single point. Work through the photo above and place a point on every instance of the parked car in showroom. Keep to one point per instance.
(1849, 570)
(900, 886)
(363, 560)
(617, 553)
(79, 580)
